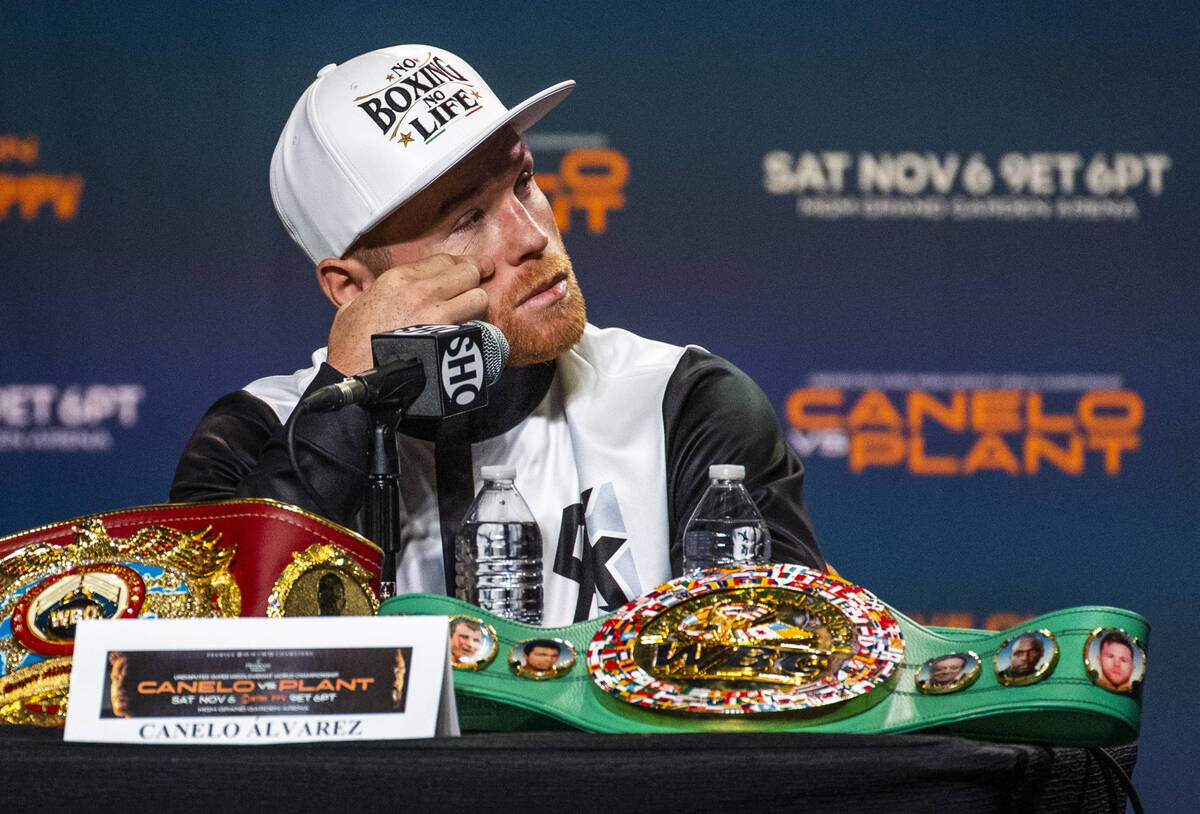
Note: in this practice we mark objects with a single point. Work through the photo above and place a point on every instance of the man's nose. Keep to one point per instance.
(525, 239)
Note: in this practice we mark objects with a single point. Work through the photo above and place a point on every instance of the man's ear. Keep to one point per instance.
(343, 278)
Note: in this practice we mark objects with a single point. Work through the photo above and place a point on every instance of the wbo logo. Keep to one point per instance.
(424, 97)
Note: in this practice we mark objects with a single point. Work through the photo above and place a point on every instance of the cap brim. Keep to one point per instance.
(520, 118)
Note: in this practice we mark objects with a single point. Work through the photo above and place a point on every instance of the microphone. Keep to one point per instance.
(367, 387)
(430, 371)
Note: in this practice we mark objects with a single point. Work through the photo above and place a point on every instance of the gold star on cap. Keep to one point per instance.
(475, 93)
(405, 138)
(390, 77)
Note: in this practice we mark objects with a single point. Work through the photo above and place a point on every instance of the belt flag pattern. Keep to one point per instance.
(754, 640)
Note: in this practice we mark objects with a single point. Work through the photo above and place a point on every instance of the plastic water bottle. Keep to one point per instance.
(499, 551)
(726, 529)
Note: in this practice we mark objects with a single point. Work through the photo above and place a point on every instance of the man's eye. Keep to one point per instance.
(524, 182)
(468, 220)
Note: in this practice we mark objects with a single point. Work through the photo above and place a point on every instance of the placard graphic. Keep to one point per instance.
(163, 684)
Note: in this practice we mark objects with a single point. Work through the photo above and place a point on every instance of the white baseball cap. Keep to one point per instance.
(369, 134)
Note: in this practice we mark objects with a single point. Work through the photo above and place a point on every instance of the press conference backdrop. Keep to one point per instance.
(956, 246)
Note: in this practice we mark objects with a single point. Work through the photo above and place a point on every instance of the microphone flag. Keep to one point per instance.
(458, 361)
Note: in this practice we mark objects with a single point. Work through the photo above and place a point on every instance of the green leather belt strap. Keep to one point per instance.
(1064, 709)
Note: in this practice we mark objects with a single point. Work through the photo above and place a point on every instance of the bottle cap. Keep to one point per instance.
(727, 472)
(498, 472)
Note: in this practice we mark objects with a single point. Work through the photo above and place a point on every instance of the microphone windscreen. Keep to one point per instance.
(495, 350)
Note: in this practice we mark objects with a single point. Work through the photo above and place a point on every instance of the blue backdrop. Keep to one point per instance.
(955, 246)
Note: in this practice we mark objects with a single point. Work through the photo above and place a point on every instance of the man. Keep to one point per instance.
(331, 595)
(540, 657)
(1116, 663)
(1024, 658)
(466, 636)
(118, 694)
(407, 183)
(399, 671)
(946, 670)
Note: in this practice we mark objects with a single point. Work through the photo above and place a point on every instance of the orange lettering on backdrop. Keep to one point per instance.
(1002, 620)
(8, 193)
(1112, 446)
(596, 177)
(588, 179)
(799, 402)
(1041, 422)
(996, 410)
(875, 449)
(921, 464)
(31, 192)
(66, 197)
(952, 619)
(1069, 460)
(19, 150)
(952, 416)
(874, 410)
(1111, 412)
(990, 452)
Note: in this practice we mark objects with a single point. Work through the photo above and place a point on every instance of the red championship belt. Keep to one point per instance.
(250, 557)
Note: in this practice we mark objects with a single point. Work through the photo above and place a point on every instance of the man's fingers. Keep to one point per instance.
(470, 304)
(486, 266)
(438, 264)
(435, 279)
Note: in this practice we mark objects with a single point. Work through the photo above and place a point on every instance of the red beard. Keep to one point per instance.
(545, 334)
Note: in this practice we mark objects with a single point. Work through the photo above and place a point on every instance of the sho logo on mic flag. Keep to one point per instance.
(462, 370)
(458, 362)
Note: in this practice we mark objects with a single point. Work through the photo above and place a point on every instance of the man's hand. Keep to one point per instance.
(441, 289)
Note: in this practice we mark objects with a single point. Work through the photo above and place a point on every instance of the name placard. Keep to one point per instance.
(252, 681)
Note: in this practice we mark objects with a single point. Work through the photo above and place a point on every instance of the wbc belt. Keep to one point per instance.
(787, 648)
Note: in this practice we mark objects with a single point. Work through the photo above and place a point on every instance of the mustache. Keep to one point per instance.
(532, 275)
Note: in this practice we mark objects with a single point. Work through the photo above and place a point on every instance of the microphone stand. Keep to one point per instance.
(383, 481)
(383, 495)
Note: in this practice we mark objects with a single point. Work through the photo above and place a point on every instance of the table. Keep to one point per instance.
(566, 771)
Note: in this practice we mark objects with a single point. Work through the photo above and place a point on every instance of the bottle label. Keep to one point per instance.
(499, 569)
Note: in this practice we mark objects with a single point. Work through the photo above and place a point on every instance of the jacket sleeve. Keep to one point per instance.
(715, 414)
(239, 449)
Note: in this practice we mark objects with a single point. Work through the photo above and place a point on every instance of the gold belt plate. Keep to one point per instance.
(760, 639)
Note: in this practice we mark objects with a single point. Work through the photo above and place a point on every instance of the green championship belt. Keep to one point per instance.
(787, 648)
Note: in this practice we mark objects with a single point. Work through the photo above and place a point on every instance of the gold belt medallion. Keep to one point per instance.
(759, 639)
